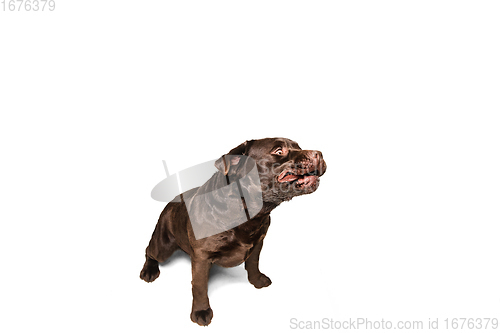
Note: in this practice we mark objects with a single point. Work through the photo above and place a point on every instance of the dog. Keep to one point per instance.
(284, 171)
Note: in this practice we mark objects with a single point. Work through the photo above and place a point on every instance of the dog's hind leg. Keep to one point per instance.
(160, 248)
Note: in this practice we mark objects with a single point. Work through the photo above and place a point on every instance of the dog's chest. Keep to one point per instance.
(233, 255)
(234, 250)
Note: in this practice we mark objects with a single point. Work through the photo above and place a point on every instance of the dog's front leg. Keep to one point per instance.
(255, 277)
(201, 312)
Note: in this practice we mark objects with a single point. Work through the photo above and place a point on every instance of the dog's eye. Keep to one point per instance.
(278, 151)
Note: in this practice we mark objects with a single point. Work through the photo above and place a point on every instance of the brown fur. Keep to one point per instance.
(242, 243)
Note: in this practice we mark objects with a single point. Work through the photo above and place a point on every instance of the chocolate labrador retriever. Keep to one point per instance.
(284, 171)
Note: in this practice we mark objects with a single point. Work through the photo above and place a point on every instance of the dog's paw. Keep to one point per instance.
(260, 281)
(150, 273)
(202, 317)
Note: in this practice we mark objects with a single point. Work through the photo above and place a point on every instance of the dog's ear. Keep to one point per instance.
(224, 163)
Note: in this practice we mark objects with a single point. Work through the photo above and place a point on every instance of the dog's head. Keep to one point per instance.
(285, 170)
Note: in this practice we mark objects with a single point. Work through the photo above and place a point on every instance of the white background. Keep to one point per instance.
(401, 97)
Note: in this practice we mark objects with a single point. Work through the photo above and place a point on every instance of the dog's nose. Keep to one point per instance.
(316, 155)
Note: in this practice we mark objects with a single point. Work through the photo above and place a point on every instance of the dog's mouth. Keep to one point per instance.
(298, 177)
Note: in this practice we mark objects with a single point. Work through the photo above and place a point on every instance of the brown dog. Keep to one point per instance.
(285, 171)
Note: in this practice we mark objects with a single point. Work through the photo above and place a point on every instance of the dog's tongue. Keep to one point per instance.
(289, 178)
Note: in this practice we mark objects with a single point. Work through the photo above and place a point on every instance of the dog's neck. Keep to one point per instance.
(267, 208)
